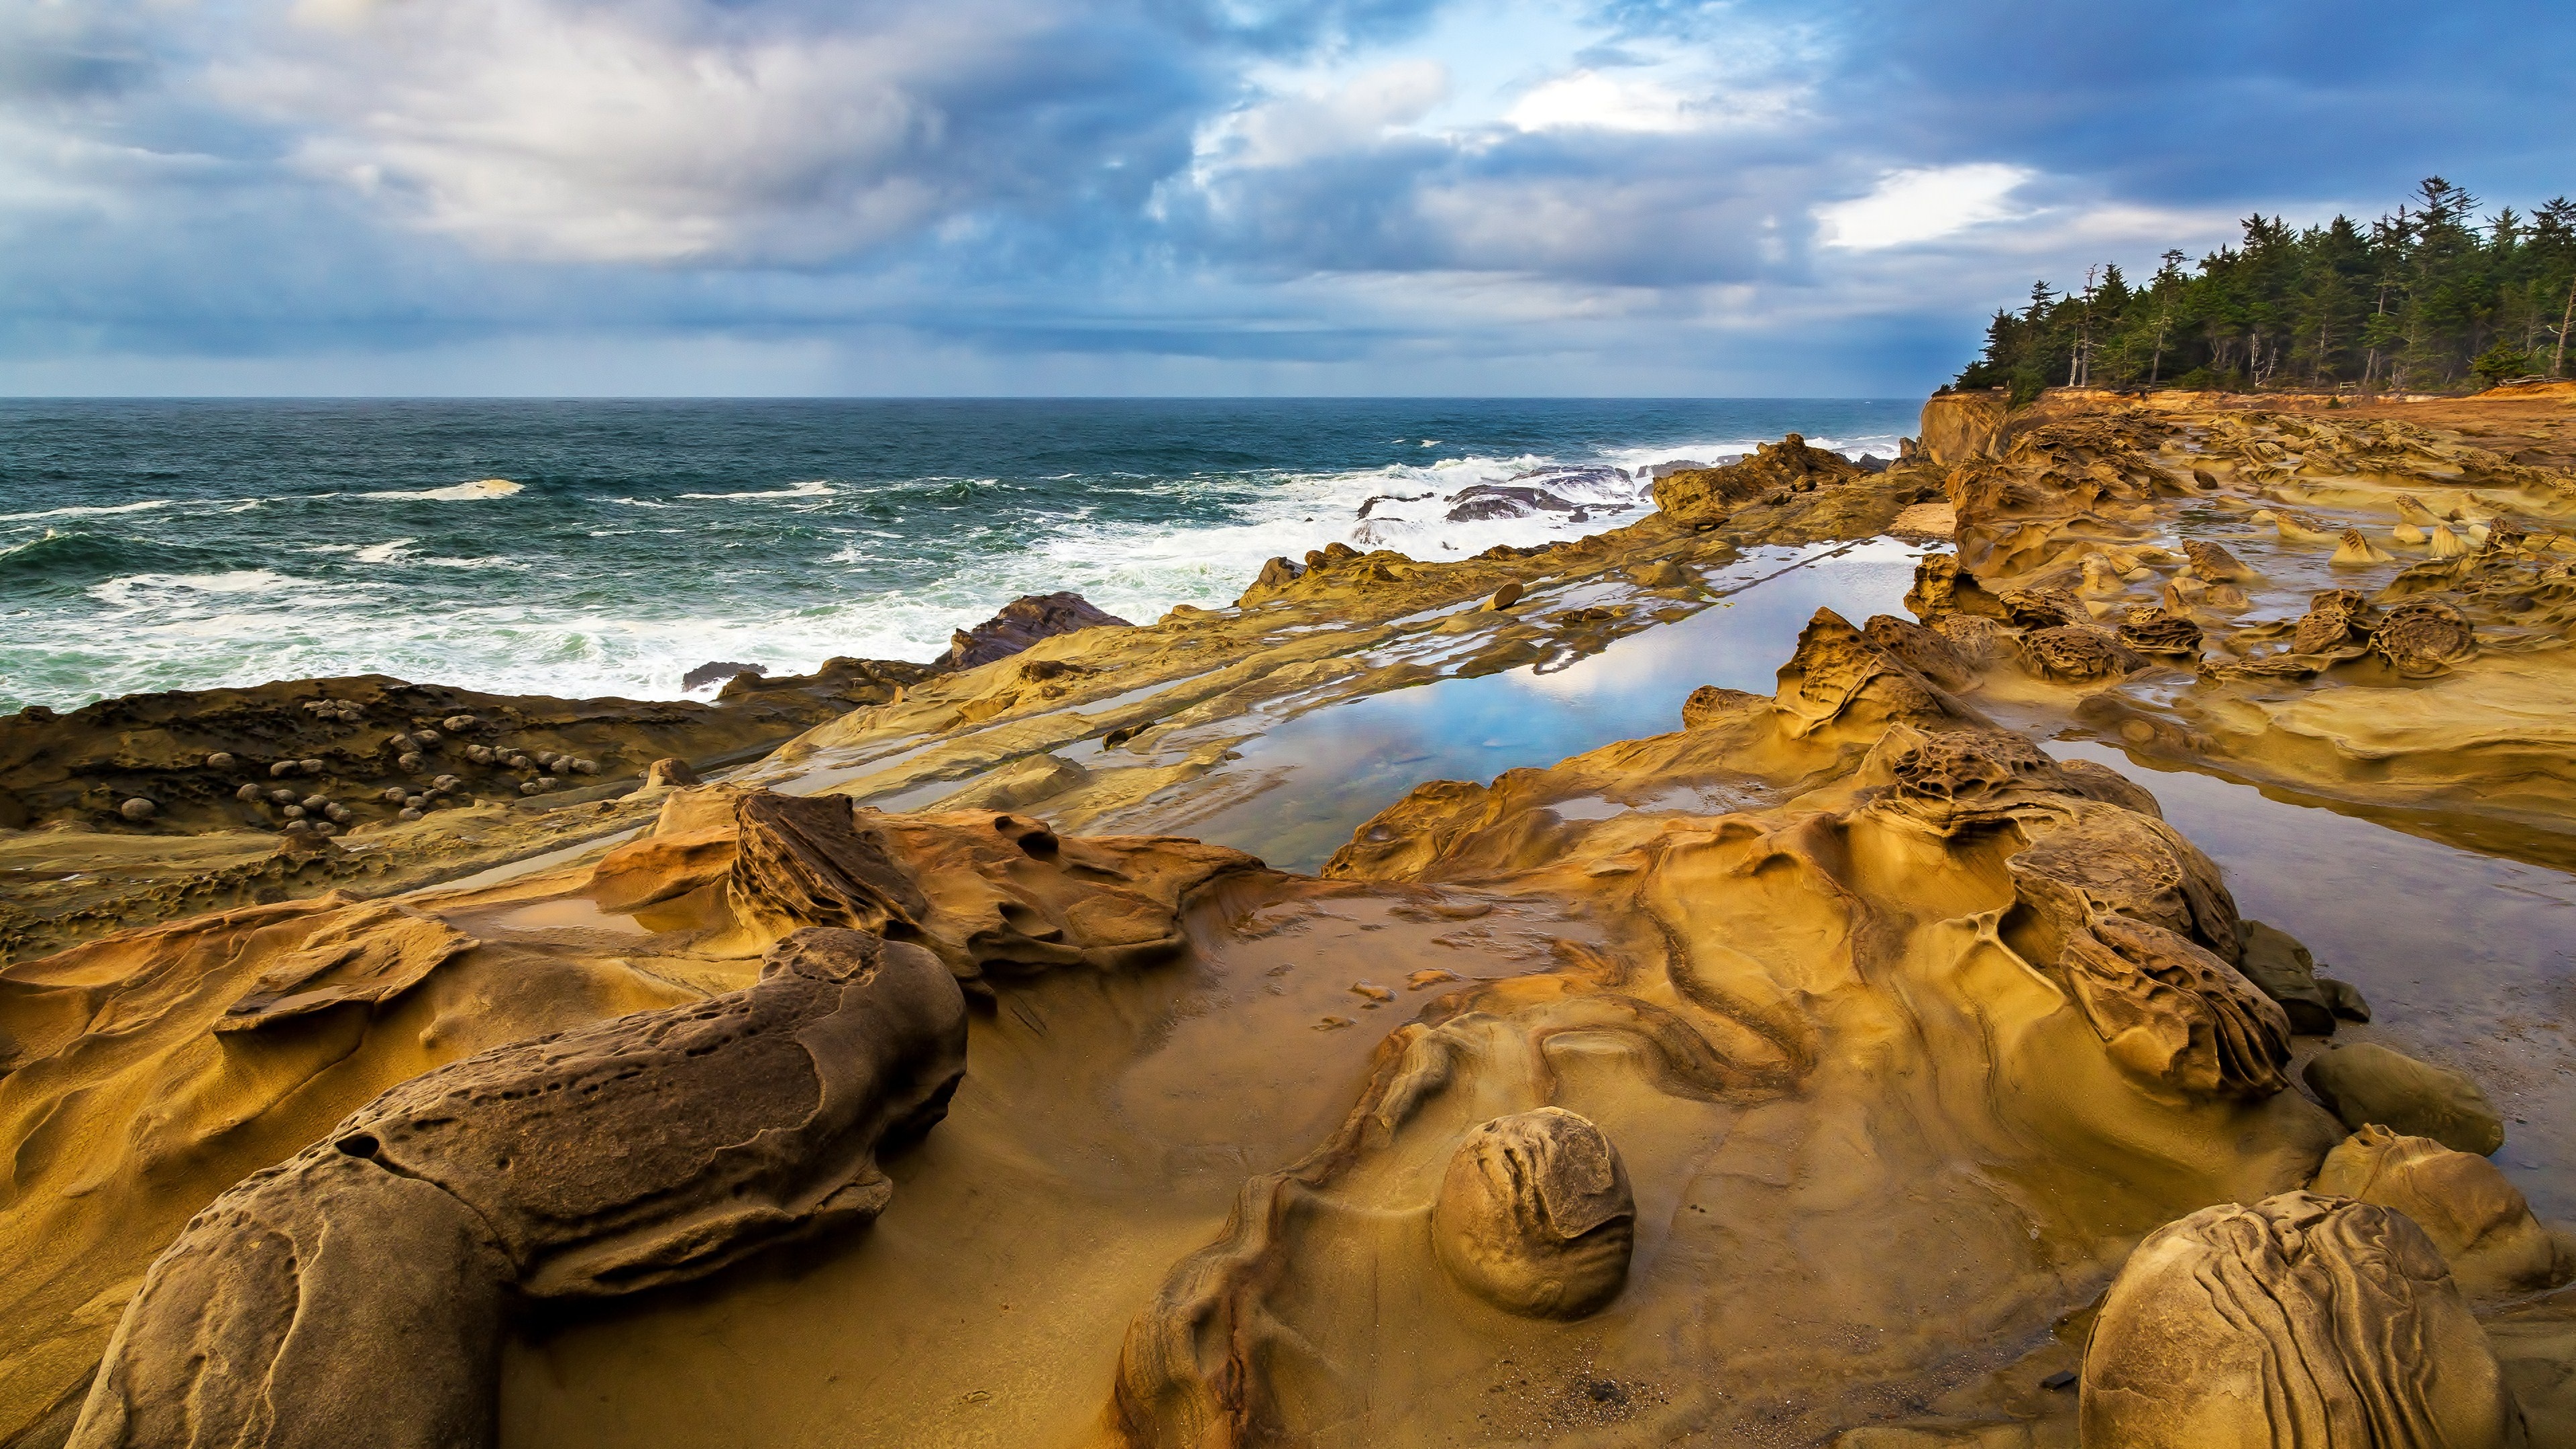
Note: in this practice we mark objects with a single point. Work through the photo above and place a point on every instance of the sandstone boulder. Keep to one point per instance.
(2366, 1083)
(1535, 1215)
(2300, 1320)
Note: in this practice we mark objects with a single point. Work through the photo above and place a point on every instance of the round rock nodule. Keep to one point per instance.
(2298, 1320)
(1535, 1215)
(138, 809)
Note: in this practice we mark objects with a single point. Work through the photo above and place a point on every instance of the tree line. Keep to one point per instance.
(2431, 298)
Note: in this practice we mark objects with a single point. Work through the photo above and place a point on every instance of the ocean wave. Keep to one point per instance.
(87, 510)
(888, 569)
(139, 590)
(454, 492)
(815, 489)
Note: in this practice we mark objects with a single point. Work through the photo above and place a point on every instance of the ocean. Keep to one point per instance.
(586, 548)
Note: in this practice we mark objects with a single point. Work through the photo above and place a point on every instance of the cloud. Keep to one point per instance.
(1664, 195)
(1907, 207)
(660, 133)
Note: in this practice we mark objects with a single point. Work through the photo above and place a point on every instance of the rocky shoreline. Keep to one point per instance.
(1840, 1066)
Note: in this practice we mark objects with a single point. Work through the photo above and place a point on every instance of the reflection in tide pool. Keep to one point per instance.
(1322, 774)
(2467, 960)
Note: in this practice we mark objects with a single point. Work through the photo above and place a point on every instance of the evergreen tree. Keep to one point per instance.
(2430, 296)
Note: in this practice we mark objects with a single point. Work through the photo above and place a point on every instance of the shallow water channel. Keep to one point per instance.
(2467, 960)
(1323, 773)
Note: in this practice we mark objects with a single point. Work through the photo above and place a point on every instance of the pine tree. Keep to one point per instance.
(2427, 296)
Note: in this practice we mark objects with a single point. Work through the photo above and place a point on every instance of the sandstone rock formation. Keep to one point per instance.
(2297, 1320)
(1704, 497)
(2368, 1083)
(355, 1293)
(1021, 623)
(2466, 1207)
(1535, 1215)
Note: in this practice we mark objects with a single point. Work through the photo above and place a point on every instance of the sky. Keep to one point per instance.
(1165, 197)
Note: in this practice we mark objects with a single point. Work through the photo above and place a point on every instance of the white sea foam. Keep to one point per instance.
(454, 492)
(90, 510)
(253, 625)
(817, 488)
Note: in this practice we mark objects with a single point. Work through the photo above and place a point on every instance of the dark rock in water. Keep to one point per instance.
(1503, 500)
(719, 671)
(1023, 622)
(1391, 498)
(2282, 968)
(1577, 477)
(1658, 472)
(849, 682)
(1869, 464)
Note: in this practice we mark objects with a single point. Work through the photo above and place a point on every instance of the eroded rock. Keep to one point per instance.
(1023, 622)
(1535, 1215)
(2298, 1320)
(2464, 1204)
(355, 1293)
(2366, 1083)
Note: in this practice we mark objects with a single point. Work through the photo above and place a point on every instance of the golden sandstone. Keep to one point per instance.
(1842, 1064)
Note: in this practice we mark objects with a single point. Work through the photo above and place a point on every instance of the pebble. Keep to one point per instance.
(338, 814)
(325, 827)
(219, 760)
(424, 738)
(391, 794)
(587, 767)
(1334, 1023)
(1372, 991)
(282, 797)
(457, 723)
(248, 792)
(138, 808)
(399, 742)
(283, 768)
(311, 767)
(447, 782)
(407, 813)
(416, 802)
(293, 812)
(410, 762)
(317, 802)
(479, 754)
